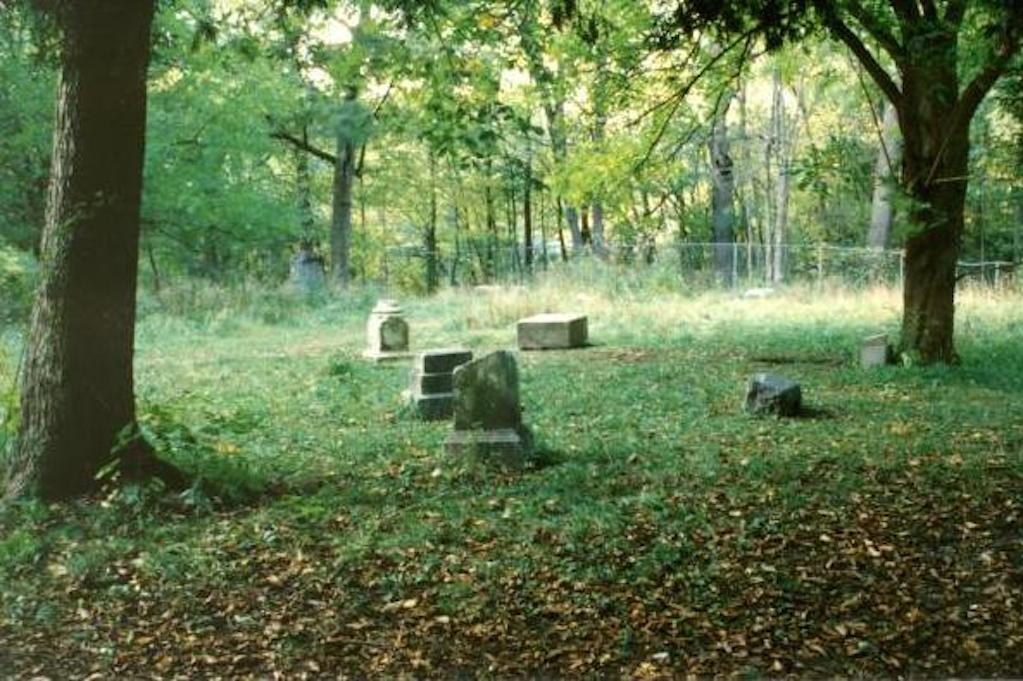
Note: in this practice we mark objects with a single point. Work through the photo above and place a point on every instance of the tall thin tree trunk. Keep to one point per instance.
(344, 179)
(77, 395)
(723, 194)
(527, 216)
(889, 158)
(561, 231)
(780, 134)
(430, 232)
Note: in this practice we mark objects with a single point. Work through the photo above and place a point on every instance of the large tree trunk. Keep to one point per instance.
(889, 157)
(936, 149)
(344, 181)
(77, 399)
(722, 196)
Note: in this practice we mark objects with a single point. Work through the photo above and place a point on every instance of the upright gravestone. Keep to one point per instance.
(874, 351)
(551, 331)
(772, 394)
(432, 393)
(488, 415)
(306, 273)
(386, 332)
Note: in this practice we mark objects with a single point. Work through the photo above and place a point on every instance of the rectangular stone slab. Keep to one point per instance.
(442, 361)
(551, 331)
(432, 384)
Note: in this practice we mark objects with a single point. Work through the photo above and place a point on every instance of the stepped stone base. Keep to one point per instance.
(438, 407)
(507, 447)
(552, 331)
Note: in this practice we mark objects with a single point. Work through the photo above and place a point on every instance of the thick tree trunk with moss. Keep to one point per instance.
(935, 167)
(77, 394)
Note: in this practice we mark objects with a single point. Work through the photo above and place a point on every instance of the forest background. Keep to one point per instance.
(488, 140)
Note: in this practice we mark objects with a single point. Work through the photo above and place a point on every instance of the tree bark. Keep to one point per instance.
(527, 217)
(344, 181)
(430, 233)
(935, 167)
(782, 150)
(889, 157)
(77, 397)
(723, 195)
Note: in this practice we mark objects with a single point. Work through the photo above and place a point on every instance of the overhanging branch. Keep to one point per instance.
(304, 146)
(877, 72)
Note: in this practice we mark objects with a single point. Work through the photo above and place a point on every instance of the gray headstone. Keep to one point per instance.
(488, 414)
(772, 394)
(552, 330)
(874, 351)
(306, 273)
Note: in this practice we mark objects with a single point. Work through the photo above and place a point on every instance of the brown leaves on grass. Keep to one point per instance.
(906, 575)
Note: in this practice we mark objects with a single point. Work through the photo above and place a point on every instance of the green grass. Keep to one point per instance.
(329, 531)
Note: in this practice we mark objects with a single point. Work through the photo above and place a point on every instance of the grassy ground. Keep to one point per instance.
(661, 532)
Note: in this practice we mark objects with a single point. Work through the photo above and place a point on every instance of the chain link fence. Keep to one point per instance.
(711, 265)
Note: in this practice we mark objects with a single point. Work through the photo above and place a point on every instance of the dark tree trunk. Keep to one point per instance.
(527, 217)
(77, 400)
(430, 233)
(304, 189)
(344, 180)
(935, 167)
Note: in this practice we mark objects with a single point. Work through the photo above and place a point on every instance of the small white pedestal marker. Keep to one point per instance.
(874, 351)
(386, 332)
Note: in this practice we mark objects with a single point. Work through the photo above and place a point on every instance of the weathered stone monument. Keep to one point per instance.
(432, 393)
(386, 332)
(772, 394)
(307, 272)
(488, 415)
(874, 351)
(552, 330)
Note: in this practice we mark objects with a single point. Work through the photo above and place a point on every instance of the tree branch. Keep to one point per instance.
(982, 83)
(856, 46)
(877, 30)
(304, 146)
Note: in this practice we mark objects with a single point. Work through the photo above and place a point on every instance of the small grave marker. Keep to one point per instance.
(387, 332)
(552, 330)
(773, 394)
(488, 415)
